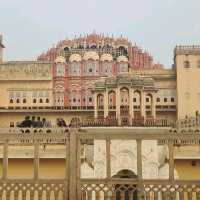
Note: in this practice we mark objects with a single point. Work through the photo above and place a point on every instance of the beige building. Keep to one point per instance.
(130, 100)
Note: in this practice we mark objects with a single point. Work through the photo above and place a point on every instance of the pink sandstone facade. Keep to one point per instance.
(81, 61)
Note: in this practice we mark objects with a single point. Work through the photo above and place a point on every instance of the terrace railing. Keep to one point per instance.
(138, 122)
(74, 187)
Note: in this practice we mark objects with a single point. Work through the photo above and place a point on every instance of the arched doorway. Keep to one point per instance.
(124, 106)
(149, 105)
(112, 103)
(100, 101)
(125, 191)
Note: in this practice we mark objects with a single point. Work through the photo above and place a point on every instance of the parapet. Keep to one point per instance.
(188, 49)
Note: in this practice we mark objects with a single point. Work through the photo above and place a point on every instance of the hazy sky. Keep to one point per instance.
(32, 26)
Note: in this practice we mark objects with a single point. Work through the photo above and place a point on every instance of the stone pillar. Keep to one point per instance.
(36, 160)
(143, 105)
(108, 161)
(5, 160)
(153, 106)
(105, 105)
(139, 167)
(131, 105)
(171, 159)
(73, 165)
(139, 159)
(95, 106)
(118, 102)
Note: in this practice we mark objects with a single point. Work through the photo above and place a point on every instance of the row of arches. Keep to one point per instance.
(135, 101)
(74, 97)
(93, 55)
(91, 67)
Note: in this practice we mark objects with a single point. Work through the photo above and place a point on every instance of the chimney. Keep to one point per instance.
(1, 48)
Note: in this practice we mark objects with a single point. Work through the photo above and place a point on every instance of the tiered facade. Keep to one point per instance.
(94, 82)
(80, 61)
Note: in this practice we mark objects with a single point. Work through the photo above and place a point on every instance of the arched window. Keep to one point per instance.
(11, 100)
(47, 100)
(18, 101)
(93, 46)
(186, 64)
(41, 101)
(122, 51)
(34, 101)
(90, 99)
(74, 69)
(24, 100)
(60, 69)
(66, 51)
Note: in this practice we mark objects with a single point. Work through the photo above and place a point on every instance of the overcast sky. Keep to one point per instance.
(30, 27)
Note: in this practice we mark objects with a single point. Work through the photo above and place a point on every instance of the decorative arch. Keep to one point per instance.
(74, 68)
(60, 59)
(122, 59)
(75, 58)
(100, 100)
(122, 64)
(75, 96)
(128, 191)
(112, 99)
(59, 95)
(106, 57)
(91, 55)
(149, 104)
(90, 67)
(124, 94)
(125, 173)
(137, 103)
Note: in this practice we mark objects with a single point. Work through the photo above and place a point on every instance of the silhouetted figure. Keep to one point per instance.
(34, 123)
(59, 122)
(46, 123)
(26, 123)
(63, 123)
(38, 123)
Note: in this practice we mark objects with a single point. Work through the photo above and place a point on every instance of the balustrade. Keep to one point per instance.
(73, 186)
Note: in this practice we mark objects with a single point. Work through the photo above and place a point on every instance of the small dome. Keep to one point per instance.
(106, 57)
(91, 55)
(75, 57)
(60, 59)
(122, 59)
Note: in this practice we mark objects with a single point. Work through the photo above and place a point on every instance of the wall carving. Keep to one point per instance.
(25, 71)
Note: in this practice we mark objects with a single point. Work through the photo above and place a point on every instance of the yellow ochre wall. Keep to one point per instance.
(186, 171)
(22, 85)
(188, 85)
(23, 168)
(55, 168)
